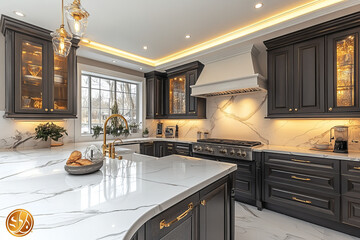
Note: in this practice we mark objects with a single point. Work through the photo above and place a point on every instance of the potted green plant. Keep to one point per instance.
(146, 133)
(134, 127)
(50, 131)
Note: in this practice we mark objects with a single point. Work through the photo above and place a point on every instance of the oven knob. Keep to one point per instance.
(223, 151)
(199, 148)
(239, 153)
(232, 152)
(243, 154)
(211, 150)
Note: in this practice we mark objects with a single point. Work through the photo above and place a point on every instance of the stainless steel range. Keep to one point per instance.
(227, 148)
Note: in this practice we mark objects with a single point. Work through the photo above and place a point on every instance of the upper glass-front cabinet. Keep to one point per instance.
(177, 95)
(39, 84)
(344, 72)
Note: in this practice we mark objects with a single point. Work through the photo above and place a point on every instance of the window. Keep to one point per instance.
(98, 95)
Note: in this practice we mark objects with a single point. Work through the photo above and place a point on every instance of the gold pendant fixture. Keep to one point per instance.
(61, 39)
(77, 18)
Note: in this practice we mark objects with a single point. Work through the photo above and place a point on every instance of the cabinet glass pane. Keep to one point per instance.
(31, 75)
(345, 85)
(177, 95)
(60, 83)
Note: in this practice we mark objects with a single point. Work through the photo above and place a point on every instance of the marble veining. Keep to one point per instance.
(109, 204)
(251, 224)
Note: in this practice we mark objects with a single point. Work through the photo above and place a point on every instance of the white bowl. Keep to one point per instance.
(322, 146)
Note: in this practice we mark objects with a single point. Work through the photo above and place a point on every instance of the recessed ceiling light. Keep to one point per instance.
(140, 68)
(20, 14)
(145, 47)
(113, 61)
(258, 5)
(188, 36)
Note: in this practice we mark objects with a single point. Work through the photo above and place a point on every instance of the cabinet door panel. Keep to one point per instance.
(150, 97)
(192, 101)
(31, 75)
(351, 211)
(309, 62)
(343, 71)
(159, 93)
(280, 72)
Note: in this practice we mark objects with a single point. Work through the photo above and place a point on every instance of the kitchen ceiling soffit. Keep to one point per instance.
(252, 28)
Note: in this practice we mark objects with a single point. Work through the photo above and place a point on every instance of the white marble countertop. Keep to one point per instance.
(154, 139)
(351, 156)
(109, 204)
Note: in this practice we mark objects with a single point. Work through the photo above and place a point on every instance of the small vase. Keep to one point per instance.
(145, 135)
(57, 143)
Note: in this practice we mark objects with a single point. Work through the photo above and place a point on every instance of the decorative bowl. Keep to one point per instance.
(81, 170)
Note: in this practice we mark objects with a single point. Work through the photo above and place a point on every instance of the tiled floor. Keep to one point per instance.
(251, 224)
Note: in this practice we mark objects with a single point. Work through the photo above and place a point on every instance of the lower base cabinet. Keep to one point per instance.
(205, 215)
(318, 190)
(164, 148)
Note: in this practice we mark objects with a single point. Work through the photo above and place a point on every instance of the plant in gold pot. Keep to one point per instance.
(50, 131)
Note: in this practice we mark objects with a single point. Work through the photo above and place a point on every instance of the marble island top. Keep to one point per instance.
(109, 204)
(351, 156)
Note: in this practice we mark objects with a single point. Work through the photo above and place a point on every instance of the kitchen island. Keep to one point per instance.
(125, 196)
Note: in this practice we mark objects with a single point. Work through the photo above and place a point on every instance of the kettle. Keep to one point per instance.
(341, 136)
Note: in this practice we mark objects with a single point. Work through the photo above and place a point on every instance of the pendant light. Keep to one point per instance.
(77, 18)
(60, 38)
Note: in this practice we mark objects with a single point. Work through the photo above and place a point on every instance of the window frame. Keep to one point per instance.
(138, 107)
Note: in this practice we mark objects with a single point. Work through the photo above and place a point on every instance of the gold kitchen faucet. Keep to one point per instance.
(110, 148)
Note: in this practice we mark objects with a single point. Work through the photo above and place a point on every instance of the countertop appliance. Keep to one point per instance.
(159, 130)
(225, 148)
(341, 136)
(170, 131)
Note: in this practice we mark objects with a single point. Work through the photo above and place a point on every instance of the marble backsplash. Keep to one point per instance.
(243, 117)
(20, 134)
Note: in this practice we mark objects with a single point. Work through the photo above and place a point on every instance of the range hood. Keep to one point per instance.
(233, 75)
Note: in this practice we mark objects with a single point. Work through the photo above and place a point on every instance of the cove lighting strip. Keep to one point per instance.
(257, 26)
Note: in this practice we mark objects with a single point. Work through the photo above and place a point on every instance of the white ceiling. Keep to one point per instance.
(159, 24)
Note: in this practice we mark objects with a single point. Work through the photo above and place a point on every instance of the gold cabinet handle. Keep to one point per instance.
(330, 109)
(357, 168)
(181, 216)
(46, 109)
(51, 110)
(299, 178)
(203, 202)
(300, 200)
(290, 109)
(296, 109)
(300, 161)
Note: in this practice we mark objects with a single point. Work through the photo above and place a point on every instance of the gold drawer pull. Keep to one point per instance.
(300, 200)
(299, 178)
(181, 216)
(357, 168)
(203, 202)
(300, 161)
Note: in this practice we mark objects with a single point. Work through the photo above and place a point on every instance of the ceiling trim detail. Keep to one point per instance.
(252, 28)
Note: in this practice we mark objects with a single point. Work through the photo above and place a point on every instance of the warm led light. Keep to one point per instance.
(77, 26)
(85, 40)
(20, 14)
(145, 47)
(258, 5)
(187, 36)
(252, 28)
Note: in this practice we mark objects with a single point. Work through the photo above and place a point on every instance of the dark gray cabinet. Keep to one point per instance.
(147, 148)
(205, 215)
(280, 72)
(168, 95)
(319, 190)
(39, 84)
(155, 83)
(314, 72)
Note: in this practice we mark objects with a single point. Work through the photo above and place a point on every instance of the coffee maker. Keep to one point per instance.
(341, 136)
(159, 130)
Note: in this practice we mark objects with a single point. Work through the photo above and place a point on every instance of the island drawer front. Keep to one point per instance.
(350, 186)
(303, 200)
(303, 177)
(182, 149)
(304, 162)
(188, 222)
(351, 211)
(350, 168)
